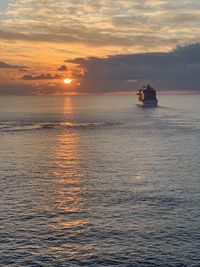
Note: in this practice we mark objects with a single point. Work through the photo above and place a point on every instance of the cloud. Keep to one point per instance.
(62, 68)
(89, 37)
(178, 69)
(175, 70)
(22, 70)
(17, 89)
(4, 65)
(41, 76)
(125, 24)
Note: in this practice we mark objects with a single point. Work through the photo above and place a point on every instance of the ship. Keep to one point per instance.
(147, 97)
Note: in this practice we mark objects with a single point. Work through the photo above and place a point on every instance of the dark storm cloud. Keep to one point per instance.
(178, 69)
(42, 76)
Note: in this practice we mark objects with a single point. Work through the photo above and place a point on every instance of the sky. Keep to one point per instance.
(102, 45)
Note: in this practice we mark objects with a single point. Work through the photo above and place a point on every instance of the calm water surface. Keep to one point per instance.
(98, 181)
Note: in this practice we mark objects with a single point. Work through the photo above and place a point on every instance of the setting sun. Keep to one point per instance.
(67, 81)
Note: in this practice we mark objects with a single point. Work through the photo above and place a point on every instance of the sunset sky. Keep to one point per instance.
(102, 45)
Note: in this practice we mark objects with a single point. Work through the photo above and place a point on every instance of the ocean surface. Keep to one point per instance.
(98, 181)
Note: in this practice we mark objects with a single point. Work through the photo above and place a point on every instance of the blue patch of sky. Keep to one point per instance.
(4, 5)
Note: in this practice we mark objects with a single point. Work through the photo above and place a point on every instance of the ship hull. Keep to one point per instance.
(148, 103)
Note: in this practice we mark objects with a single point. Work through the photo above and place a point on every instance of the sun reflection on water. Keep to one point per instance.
(69, 206)
(68, 175)
(71, 222)
(68, 105)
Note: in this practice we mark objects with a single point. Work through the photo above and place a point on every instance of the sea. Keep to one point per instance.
(98, 181)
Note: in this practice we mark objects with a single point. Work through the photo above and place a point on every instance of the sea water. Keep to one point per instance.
(98, 181)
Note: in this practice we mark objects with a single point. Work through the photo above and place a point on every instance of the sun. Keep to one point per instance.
(67, 81)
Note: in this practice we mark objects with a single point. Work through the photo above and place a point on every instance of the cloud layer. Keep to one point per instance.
(178, 69)
(109, 45)
(133, 24)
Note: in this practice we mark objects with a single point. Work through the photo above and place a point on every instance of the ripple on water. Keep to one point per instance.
(111, 186)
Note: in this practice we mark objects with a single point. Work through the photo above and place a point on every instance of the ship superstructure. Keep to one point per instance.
(147, 97)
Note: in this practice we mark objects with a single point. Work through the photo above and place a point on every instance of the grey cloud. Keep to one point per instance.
(4, 65)
(42, 76)
(20, 89)
(178, 69)
(89, 37)
(125, 24)
(62, 68)
(178, 19)
(128, 21)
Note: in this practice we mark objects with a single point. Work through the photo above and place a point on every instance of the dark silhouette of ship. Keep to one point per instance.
(147, 97)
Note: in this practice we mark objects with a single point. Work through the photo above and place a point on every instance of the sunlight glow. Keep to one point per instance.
(67, 81)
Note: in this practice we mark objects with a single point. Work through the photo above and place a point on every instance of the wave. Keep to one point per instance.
(33, 126)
